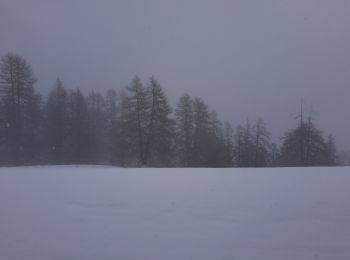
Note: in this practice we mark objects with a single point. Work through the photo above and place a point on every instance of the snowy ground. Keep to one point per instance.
(104, 213)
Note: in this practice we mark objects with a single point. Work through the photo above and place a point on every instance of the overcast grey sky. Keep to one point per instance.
(245, 58)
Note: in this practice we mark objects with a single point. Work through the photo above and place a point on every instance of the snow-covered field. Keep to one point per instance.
(105, 213)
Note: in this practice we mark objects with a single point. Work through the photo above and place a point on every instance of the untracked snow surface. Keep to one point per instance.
(105, 213)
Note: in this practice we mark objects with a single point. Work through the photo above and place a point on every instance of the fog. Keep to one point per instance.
(244, 58)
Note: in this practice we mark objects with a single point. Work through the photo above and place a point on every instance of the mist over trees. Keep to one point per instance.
(137, 127)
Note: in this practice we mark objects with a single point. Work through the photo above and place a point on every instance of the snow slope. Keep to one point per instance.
(106, 213)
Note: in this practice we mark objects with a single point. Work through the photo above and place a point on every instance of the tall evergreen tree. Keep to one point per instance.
(96, 128)
(135, 112)
(56, 123)
(216, 155)
(159, 139)
(16, 86)
(33, 129)
(229, 145)
(184, 130)
(238, 146)
(125, 137)
(261, 144)
(77, 128)
(274, 155)
(248, 151)
(113, 134)
(201, 132)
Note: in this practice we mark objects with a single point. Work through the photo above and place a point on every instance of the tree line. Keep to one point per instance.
(137, 127)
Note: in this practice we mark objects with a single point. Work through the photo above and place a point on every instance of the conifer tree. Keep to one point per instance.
(112, 111)
(96, 128)
(261, 144)
(229, 145)
(238, 146)
(135, 114)
(160, 131)
(304, 146)
(77, 128)
(16, 88)
(56, 123)
(248, 151)
(201, 132)
(331, 151)
(184, 130)
(33, 129)
(216, 155)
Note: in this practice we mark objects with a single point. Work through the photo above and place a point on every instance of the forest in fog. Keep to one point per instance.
(137, 127)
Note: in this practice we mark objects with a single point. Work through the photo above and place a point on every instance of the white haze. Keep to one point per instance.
(245, 58)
